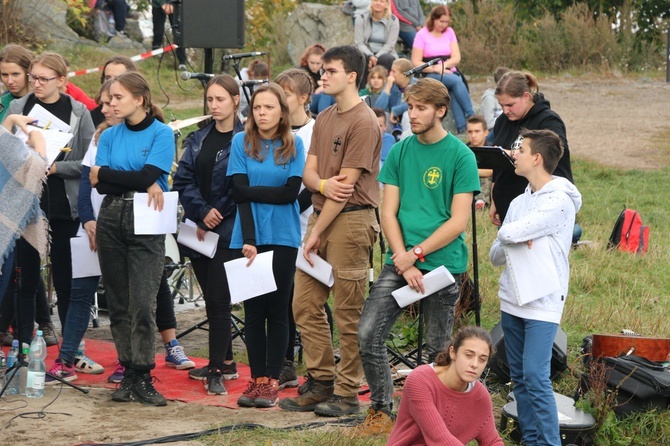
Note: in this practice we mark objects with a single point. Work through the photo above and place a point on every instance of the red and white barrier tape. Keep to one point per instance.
(136, 58)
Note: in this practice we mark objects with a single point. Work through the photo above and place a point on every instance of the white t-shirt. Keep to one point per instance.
(305, 133)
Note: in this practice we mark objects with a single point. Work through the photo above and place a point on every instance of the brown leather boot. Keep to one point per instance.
(319, 392)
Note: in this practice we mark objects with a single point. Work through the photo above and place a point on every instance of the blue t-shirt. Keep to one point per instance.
(276, 224)
(120, 148)
(387, 142)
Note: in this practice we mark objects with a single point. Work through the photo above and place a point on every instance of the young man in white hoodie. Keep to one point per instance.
(547, 208)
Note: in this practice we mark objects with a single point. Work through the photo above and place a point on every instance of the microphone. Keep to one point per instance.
(243, 55)
(420, 68)
(251, 83)
(185, 75)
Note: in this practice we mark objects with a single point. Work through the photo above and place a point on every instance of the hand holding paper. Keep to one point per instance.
(433, 281)
(246, 282)
(320, 269)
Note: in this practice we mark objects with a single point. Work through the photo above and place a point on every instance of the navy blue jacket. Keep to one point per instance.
(186, 183)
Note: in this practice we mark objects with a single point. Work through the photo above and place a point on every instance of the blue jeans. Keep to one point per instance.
(528, 345)
(132, 266)
(461, 104)
(408, 38)
(78, 314)
(380, 312)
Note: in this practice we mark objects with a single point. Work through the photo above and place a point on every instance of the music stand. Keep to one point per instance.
(488, 157)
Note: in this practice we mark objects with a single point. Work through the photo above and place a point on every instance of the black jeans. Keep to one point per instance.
(211, 275)
(165, 318)
(132, 266)
(267, 347)
(158, 19)
(61, 262)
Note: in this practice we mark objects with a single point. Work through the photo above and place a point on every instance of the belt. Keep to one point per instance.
(349, 209)
(128, 195)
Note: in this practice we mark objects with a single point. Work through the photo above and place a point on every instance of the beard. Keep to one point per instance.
(426, 127)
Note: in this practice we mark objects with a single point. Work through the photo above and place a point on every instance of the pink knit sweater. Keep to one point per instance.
(432, 414)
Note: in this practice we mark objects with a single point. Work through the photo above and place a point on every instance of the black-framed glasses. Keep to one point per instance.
(329, 73)
(42, 80)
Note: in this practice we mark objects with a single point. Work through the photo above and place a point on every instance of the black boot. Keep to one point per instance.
(144, 391)
(123, 392)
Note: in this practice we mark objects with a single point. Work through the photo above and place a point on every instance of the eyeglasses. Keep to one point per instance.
(40, 79)
(329, 73)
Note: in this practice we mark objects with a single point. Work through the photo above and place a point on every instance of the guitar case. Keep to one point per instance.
(576, 426)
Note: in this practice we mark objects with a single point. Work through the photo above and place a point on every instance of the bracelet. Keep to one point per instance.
(323, 183)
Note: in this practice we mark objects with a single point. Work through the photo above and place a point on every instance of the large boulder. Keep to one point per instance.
(46, 18)
(314, 23)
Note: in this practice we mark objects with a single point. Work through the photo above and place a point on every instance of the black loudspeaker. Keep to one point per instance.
(499, 365)
(210, 24)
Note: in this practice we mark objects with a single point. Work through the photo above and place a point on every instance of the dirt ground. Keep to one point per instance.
(619, 122)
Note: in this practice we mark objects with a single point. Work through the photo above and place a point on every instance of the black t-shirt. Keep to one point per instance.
(213, 143)
(54, 200)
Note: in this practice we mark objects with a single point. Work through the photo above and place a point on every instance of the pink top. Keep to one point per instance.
(432, 414)
(435, 46)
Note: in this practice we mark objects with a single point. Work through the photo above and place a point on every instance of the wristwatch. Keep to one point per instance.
(418, 251)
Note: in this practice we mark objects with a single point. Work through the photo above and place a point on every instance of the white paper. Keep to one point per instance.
(45, 118)
(533, 272)
(188, 237)
(246, 282)
(55, 140)
(321, 271)
(150, 221)
(433, 282)
(84, 261)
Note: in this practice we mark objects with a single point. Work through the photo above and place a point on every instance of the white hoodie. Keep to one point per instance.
(548, 212)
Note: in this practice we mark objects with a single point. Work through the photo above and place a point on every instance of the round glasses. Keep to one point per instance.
(329, 73)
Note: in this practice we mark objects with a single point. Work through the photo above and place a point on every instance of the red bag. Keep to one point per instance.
(629, 234)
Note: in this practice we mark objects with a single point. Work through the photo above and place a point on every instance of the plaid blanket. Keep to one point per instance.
(22, 177)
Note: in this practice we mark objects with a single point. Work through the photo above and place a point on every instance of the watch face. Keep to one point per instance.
(418, 251)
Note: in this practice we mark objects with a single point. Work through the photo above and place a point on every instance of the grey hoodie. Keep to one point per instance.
(548, 212)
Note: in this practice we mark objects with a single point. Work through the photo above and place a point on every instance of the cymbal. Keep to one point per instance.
(182, 123)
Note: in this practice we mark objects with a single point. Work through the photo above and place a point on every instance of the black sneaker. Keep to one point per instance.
(288, 378)
(214, 383)
(144, 391)
(124, 390)
(229, 372)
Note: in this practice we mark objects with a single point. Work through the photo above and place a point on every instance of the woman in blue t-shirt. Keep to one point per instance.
(266, 163)
(135, 155)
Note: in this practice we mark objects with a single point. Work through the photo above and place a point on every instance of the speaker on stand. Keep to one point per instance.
(499, 365)
(210, 24)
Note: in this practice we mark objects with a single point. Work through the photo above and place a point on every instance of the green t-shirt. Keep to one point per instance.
(428, 177)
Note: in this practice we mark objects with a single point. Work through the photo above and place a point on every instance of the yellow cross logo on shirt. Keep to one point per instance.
(432, 177)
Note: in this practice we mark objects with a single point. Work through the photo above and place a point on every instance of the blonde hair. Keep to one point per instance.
(53, 61)
(286, 152)
(387, 12)
(516, 83)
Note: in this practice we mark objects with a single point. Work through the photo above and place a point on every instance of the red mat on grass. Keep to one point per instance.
(174, 384)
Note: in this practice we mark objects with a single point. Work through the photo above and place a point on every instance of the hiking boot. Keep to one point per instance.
(84, 364)
(6, 339)
(319, 392)
(117, 375)
(377, 422)
(337, 406)
(288, 378)
(307, 385)
(124, 390)
(144, 391)
(248, 397)
(214, 383)
(175, 356)
(49, 334)
(267, 393)
(62, 371)
(229, 372)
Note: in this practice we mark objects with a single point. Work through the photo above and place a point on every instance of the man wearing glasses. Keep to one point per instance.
(341, 170)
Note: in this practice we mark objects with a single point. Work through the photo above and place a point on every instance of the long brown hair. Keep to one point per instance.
(316, 48)
(465, 333)
(435, 14)
(19, 55)
(296, 81)
(104, 88)
(286, 152)
(138, 87)
(229, 84)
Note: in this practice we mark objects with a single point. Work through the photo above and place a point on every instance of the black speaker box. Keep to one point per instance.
(210, 24)
(499, 365)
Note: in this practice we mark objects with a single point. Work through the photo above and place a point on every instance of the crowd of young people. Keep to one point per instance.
(282, 179)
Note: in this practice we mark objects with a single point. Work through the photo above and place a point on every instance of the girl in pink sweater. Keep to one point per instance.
(444, 403)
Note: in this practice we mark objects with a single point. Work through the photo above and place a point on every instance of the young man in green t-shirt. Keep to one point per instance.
(429, 181)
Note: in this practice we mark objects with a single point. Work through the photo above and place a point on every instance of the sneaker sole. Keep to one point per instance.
(89, 372)
(114, 381)
(245, 402)
(225, 392)
(135, 397)
(264, 404)
(230, 376)
(324, 412)
(185, 366)
(290, 384)
(291, 408)
(123, 398)
(66, 379)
